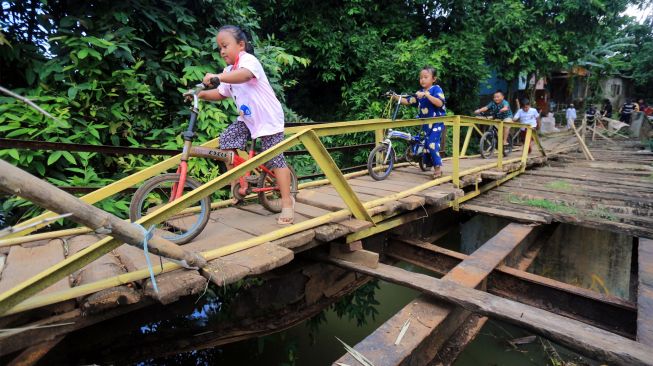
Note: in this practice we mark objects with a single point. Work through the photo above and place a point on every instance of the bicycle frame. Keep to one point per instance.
(226, 156)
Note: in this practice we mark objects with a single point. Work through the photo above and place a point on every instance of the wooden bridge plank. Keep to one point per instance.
(599, 179)
(106, 266)
(433, 322)
(364, 197)
(253, 261)
(508, 214)
(23, 263)
(632, 225)
(590, 341)
(383, 184)
(645, 292)
(321, 200)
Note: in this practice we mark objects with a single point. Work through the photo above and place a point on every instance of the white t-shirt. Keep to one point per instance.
(262, 112)
(527, 118)
(571, 113)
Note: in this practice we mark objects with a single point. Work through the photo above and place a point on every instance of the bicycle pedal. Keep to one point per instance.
(252, 179)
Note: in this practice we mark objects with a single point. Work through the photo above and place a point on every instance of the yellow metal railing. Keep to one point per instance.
(18, 298)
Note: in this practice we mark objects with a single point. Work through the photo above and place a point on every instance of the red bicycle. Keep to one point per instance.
(160, 190)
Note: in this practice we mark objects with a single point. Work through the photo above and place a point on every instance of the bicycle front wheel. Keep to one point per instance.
(271, 199)
(380, 163)
(180, 228)
(487, 144)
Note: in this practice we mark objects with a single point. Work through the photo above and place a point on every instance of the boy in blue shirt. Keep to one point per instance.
(499, 108)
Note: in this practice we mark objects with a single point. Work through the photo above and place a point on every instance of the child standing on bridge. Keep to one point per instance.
(430, 103)
(260, 111)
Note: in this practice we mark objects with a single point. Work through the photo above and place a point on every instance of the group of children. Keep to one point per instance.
(499, 109)
(261, 115)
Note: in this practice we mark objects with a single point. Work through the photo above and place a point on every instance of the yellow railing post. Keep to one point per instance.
(500, 146)
(536, 138)
(524, 153)
(456, 152)
(378, 136)
(468, 137)
(314, 146)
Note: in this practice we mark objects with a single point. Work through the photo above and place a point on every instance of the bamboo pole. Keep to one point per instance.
(16, 181)
(586, 151)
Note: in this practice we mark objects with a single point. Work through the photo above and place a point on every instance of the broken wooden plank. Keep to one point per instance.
(330, 232)
(436, 322)
(593, 342)
(645, 292)
(605, 311)
(24, 263)
(508, 214)
(253, 261)
(361, 256)
(32, 355)
(104, 267)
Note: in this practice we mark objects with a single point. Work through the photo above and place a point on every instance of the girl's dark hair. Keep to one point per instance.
(430, 69)
(239, 36)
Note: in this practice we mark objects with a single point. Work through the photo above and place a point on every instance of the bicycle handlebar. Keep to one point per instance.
(390, 93)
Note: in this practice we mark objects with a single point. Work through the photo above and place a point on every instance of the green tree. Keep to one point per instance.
(113, 72)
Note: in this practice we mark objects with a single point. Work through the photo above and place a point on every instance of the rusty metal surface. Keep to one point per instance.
(603, 311)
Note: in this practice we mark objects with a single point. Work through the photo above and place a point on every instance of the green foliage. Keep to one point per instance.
(551, 206)
(113, 72)
(359, 305)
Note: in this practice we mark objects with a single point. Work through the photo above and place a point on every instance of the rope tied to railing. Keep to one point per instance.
(147, 235)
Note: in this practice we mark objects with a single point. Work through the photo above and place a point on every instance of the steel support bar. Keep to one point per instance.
(456, 152)
(604, 311)
(468, 137)
(536, 137)
(500, 146)
(313, 144)
(526, 147)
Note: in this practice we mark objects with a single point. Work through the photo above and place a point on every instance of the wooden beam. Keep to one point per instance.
(31, 356)
(645, 292)
(592, 342)
(604, 311)
(434, 322)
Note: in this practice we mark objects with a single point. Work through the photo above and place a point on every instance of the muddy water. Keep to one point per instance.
(584, 257)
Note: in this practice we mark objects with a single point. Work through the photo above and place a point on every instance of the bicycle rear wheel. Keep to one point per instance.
(378, 168)
(271, 199)
(182, 227)
(487, 144)
(512, 141)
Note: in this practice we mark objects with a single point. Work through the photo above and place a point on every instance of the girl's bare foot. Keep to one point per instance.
(287, 216)
(437, 172)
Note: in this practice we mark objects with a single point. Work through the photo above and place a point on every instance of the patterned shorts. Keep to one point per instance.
(237, 135)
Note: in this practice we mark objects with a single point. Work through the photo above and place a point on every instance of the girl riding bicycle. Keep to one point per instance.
(260, 111)
(430, 103)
